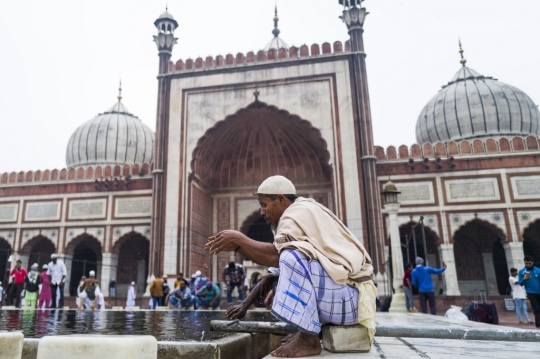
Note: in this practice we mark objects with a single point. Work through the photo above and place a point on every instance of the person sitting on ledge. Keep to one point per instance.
(180, 297)
(212, 296)
(324, 270)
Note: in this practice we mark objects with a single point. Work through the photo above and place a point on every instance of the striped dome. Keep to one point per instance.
(475, 106)
(113, 137)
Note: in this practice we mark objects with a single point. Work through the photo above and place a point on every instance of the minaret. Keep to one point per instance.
(353, 16)
(165, 42)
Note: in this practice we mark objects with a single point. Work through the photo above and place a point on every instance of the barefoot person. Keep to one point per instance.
(325, 272)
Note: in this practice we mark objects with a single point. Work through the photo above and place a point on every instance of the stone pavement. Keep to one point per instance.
(399, 348)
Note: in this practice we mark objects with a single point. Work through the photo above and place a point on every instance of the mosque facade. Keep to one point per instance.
(132, 204)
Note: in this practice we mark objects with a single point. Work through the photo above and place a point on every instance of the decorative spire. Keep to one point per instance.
(120, 92)
(276, 20)
(463, 61)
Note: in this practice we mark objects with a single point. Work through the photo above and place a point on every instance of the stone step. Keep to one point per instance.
(11, 345)
(97, 346)
(346, 339)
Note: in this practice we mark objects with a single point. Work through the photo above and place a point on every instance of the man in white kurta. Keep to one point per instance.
(131, 295)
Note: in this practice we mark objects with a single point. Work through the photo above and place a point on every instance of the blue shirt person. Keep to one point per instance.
(181, 297)
(210, 296)
(529, 277)
(421, 279)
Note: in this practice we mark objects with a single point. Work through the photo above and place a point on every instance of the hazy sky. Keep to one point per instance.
(60, 60)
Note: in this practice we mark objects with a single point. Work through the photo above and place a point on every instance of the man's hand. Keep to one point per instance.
(224, 241)
(266, 283)
(236, 311)
(444, 265)
(527, 276)
(228, 287)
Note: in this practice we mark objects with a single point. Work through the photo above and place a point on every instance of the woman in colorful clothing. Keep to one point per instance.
(45, 296)
(31, 284)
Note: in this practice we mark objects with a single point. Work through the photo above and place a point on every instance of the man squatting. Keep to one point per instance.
(324, 271)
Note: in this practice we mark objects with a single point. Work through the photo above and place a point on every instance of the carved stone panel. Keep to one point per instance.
(133, 207)
(416, 193)
(87, 209)
(42, 211)
(526, 187)
(8, 212)
(472, 190)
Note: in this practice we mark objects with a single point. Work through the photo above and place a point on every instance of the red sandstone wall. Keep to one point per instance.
(200, 230)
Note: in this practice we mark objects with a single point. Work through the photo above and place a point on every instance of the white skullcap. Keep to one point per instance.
(132, 283)
(198, 273)
(193, 276)
(54, 255)
(92, 273)
(35, 265)
(276, 185)
(45, 266)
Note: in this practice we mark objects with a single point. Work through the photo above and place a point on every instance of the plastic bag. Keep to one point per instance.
(455, 313)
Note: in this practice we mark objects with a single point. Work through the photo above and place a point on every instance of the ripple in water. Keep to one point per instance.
(164, 325)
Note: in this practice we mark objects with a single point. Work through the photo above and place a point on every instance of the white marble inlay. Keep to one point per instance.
(40, 211)
(416, 193)
(87, 209)
(8, 212)
(133, 207)
(526, 187)
(472, 190)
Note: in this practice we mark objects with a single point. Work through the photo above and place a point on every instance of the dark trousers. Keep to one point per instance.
(535, 304)
(54, 287)
(15, 292)
(424, 298)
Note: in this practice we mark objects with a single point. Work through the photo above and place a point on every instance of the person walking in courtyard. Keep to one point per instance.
(233, 276)
(324, 270)
(180, 297)
(57, 277)
(31, 286)
(18, 274)
(112, 288)
(211, 294)
(45, 296)
(519, 296)
(407, 288)
(131, 295)
(421, 279)
(156, 292)
(529, 277)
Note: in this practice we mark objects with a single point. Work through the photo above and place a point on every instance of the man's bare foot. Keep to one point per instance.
(301, 345)
(289, 337)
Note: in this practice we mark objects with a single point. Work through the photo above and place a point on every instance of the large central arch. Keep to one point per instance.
(231, 160)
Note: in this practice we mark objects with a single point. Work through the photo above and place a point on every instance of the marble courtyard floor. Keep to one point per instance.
(394, 348)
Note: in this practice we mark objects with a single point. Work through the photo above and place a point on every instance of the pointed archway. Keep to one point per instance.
(87, 256)
(255, 227)
(5, 252)
(531, 241)
(38, 250)
(133, 251)
(480, 258)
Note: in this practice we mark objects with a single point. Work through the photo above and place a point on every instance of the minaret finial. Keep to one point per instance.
(276, 19)
(463, 61)
(120, 91)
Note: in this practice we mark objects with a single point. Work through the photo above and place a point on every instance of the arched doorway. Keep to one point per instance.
(531, 241)
(235, 156)
(38, 250)
(5, 252)
(86, 252)
(133, 251)
(480, 258)
(412, 246)
(255, 227)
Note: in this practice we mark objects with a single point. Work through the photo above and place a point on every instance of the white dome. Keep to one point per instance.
(475, 106)
(113, 137)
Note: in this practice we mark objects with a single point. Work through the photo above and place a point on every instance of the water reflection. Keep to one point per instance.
(164, 325)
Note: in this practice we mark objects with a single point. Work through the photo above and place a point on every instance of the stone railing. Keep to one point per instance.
(461, 148)
(261, 56)
(76, 174)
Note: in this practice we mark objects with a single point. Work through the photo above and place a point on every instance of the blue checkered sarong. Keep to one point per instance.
(306, 297)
